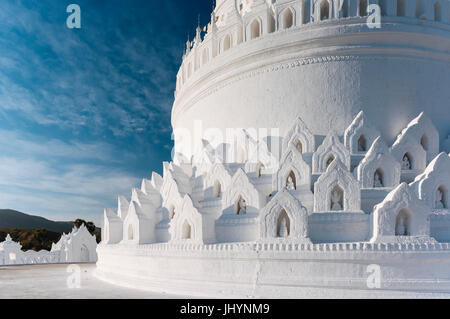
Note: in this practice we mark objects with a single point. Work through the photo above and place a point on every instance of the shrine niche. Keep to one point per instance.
(360, 135)
(291, 183)
(337, 198)
(137, 224)
(337, 190)
(113, 227)
(433, 185)
(242, 195)
(218, 179)
(422, 131)
(284, 218)
(378, 168)
(401, 215)
(293, 173)
(378, 178)
(409, 153)
(241, 206)
(403, 223)
(300, 137)
(330, 150)
(189, 225)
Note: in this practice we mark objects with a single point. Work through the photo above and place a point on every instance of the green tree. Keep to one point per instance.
(89, 225)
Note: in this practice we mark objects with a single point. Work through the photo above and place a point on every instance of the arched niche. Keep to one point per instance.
(240, 207)
(227, 43)
(284, 218)
(424, 142)
(360, 134)
(403, 223)
(217, 180)
(217, 189)
(433, 184)
(271, 24)
(189, 223)
(337, 190)
(324, 10)
(112, 230)
(378, 178)
(242, 186)
(283, 225)
(288, 18)
(337, 198)
(401, 213)
(259, 169)
(362, 143)
(186, 230)
(255, 29)
(407, 162)
(300, 137)
(239, 34)
(137, 220)
(293, 165)
(437, 11)
(363, 8)
(84, 254)
(421, 139)
(441, 199)
(330, 160)
(401, 8)
(328, 152)
(299, 146)
(130, 232)
(291, 181)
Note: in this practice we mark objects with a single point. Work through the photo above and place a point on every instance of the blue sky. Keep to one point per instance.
(85, 113)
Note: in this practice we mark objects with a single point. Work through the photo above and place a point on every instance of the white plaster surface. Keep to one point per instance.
(49, 282)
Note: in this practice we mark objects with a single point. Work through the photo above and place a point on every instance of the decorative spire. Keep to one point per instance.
(198, 36)
(188, 45)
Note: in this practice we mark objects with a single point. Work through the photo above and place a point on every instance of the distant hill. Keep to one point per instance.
(13, 219)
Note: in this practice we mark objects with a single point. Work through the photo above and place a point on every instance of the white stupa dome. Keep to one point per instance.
(322, 71)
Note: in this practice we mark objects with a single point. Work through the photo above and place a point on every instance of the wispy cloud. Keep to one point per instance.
(80, 80)
(56, 178)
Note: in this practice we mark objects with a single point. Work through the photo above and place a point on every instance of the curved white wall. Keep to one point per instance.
(250, 270)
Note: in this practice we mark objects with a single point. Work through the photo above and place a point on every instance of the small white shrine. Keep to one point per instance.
(79, 246)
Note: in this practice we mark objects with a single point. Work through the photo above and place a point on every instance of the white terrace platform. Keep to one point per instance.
(49, 281)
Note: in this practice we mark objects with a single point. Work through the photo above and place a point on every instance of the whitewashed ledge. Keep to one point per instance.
(277, 247)
(273, 270)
